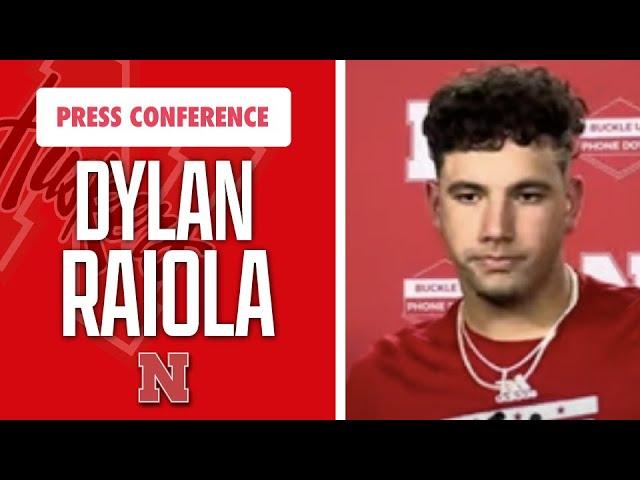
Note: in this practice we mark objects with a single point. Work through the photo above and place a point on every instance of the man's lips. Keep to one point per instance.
(498, 262)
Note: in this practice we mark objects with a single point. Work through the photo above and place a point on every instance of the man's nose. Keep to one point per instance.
(497, 220)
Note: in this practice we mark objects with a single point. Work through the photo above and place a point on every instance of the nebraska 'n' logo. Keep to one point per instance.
(155, 374)
(611, 139)
(419, 167)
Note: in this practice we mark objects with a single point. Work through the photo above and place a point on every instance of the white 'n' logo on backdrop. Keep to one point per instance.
(419, 164)
(603, 266)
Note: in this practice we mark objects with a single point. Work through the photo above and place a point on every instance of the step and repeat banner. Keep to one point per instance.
(397, 269)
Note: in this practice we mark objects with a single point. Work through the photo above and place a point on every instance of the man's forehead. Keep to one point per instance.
(512, 164)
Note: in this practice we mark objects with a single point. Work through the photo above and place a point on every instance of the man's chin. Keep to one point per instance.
(499, 293)
(500, 297)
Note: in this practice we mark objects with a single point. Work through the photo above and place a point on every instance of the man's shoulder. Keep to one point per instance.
(611, 310)
(414, 344)
(398, 364)
(611, 314)
(598, 295)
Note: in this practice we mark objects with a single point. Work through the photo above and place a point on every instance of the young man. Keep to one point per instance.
(531, 338)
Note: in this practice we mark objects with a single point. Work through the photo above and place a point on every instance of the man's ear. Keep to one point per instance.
(574, 196)
(435, 200)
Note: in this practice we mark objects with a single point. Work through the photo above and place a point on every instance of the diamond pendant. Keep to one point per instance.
(514, 390)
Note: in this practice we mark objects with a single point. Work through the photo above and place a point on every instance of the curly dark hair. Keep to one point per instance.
(480, 110)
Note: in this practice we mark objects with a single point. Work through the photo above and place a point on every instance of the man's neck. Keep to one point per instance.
(526, 320)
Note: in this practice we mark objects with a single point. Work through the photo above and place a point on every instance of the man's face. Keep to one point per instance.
(503, 215)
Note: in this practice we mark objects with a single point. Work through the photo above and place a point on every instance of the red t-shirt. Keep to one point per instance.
(591, 369)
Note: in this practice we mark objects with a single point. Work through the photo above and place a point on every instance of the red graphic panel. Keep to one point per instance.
(289, 375)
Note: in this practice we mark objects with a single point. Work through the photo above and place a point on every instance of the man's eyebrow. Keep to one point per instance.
(521, 185)
(464, 185)
(531, 183)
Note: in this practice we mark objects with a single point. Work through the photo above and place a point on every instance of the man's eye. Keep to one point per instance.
(530, 197)
(467, 197)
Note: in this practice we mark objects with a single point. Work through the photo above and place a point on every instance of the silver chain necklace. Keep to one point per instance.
(516, 388)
